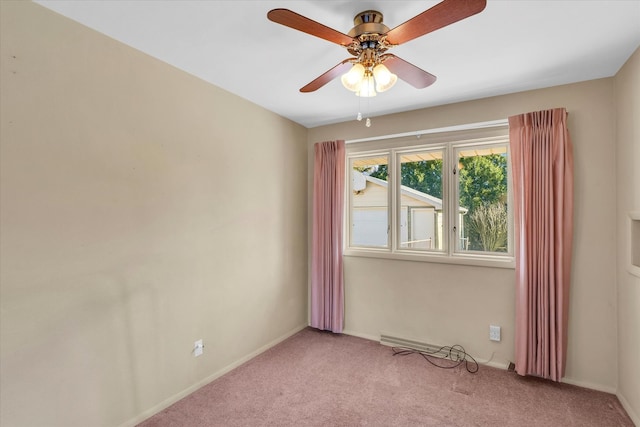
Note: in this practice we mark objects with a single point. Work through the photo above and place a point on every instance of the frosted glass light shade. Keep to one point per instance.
(385, 79)
(367, 88)
(392, 81)
(352, 80)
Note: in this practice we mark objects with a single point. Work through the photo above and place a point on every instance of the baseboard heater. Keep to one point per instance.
(433, 349)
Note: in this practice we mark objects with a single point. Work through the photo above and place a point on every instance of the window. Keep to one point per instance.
(442, 198)
(370, 212)
(421, 210)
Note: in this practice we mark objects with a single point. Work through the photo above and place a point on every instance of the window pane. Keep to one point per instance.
(482, 191)
(369, 202)
(421, 209)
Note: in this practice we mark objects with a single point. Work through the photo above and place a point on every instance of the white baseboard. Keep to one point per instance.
(592, 386)
(625, 404)
(184, 393)
(504, 365)
(359, 335)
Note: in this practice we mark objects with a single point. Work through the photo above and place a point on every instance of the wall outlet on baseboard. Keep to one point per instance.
(494, 333)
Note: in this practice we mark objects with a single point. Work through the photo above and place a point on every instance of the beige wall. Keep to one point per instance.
(627, 88)
(141, 209)
(451, 304)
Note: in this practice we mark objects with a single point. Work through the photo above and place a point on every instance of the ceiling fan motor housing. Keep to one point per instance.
(368, 22)
(367, 32)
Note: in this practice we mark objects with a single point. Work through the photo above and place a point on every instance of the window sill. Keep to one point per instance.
(469, 260)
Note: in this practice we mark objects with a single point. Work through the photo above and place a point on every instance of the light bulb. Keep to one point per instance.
(352, 80)
(359, 116)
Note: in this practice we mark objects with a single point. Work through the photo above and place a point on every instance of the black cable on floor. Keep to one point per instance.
(455, 354)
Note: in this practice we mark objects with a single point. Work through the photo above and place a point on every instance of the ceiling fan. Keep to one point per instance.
(371, 69)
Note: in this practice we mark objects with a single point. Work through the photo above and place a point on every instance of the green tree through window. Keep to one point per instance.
(483, 191)
(424, 176)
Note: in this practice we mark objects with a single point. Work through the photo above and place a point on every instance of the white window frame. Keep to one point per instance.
(398, 195)
(449, 142)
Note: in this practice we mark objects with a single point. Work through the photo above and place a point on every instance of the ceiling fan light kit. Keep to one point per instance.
(353, 79)
(370, 69)
(385, 79)
(366, 81)
(367, 87)
(368, 74)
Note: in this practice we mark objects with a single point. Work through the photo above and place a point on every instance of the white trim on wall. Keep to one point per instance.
(634, 248)
(468, 126)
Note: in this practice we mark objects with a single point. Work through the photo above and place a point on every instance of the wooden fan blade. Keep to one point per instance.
(411, 74)
(306, 25)
(444, 13)
(325, 78)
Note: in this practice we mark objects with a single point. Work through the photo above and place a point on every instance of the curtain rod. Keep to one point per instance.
(418, 133)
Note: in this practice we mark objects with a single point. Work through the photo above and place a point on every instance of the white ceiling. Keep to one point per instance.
(512, 46)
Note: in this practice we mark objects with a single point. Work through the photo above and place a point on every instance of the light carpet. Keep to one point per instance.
(317, 378)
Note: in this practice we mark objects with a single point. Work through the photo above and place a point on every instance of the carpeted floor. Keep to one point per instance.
(320, 379)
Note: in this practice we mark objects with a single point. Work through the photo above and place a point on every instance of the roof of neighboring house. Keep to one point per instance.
(410, 192)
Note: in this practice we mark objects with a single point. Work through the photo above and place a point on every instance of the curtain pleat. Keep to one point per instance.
(542, 166)
(327, 287)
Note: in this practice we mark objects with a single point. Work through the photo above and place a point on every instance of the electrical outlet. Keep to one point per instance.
(198, 348)
(494, 333)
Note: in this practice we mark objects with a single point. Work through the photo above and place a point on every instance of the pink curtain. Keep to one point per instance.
(542, 164)
(327, 287)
